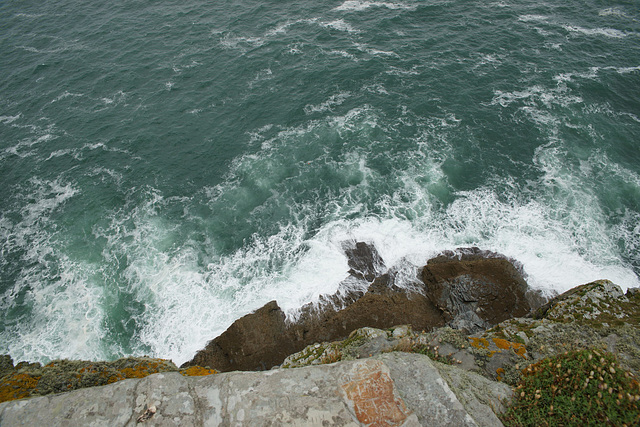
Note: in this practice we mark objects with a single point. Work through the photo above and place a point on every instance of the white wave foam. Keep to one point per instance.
(375, 52)
(295, 49)
(230, 41)
(537, 94)
(343, 53)
(624, 70)
(359, 5)
(66, 94)
(395, 71)
(340, 25)
(6, 120)
(30, 15)
(58, 304)
(262, 75)
(66, 316)
(607, 32)
(18, 149)
(337, 99)
(376, 88)
(566, 77)
(613, 11)
(533, 18)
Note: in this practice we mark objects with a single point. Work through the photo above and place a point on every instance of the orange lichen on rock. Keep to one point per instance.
(17, 386)
(503, 344)
(197, 371)
(140, 371)
(143, 367)
(479, 342)
(500, 373)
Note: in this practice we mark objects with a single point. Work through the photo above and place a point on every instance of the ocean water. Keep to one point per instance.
(167, 167)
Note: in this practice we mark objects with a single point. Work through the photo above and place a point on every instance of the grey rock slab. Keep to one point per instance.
(303, 396)
(424, 389)
(109, 405)
(480, 396)
(394, 389)
(170, 394)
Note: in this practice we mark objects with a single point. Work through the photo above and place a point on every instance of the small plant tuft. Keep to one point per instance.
(585, 387)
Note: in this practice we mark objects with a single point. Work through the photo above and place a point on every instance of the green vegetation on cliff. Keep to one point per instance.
(584, 387)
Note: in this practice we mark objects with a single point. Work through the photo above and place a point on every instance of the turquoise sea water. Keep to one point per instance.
(167, 167)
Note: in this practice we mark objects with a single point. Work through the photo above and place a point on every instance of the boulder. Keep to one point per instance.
(477, 289)
(253, 342)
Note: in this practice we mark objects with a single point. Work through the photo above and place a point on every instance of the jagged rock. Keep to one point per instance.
(468, 289)
(263, 339)
(595, 315)
(393, 389)
(361, 343)
(476, 289)
(364, 260)
(586, 301)
(256, 341)
(493, 357)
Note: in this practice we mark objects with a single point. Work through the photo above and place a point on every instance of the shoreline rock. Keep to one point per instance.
(596, 315)
(468, 289)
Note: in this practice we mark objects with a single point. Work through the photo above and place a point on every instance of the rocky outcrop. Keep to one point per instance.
(477, 289)
(33, 379)
(468, 289)
(395, 389)
(596, 315)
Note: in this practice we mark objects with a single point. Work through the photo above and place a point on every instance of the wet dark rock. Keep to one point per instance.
(477, 289)
(364, 260)
(264, 338)
(468, 289)
(6, 365)
(253, 342)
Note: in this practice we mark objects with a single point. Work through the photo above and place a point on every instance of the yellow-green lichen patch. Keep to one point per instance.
(197, 371)
(517, 348)
(31, 379)
(17, 385)
(480, 343)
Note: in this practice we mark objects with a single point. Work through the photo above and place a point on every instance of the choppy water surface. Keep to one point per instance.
(167, 167)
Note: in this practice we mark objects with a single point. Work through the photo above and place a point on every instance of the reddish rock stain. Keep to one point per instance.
(372, 393)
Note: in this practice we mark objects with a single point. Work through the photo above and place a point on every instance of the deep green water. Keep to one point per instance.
(167, 167)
